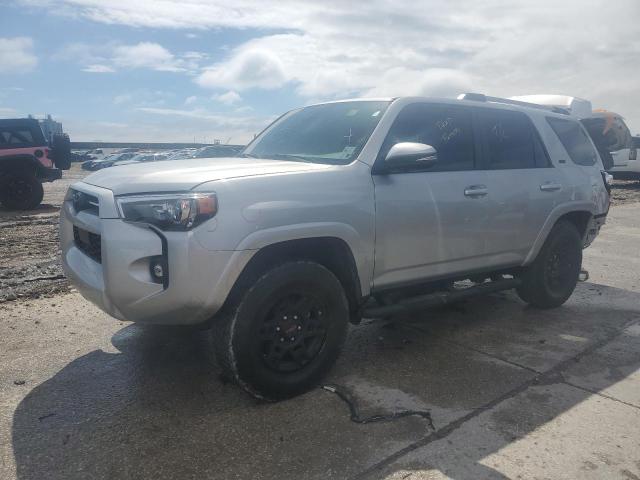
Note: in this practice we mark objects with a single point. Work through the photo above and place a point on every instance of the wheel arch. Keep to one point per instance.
(332, 252)
(578, 213)
(11, 163)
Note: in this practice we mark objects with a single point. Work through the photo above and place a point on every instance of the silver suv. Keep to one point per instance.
(338, 211)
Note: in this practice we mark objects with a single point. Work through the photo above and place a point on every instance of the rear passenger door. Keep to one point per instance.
(523, 186)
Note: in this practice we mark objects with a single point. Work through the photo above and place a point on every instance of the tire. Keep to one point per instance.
(285, 332)
(20, 191)
(550, 280)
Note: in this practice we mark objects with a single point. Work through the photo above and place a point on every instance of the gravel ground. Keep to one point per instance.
(30, 260)
(30, 264)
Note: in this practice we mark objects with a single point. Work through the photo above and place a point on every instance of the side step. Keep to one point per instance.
(438, 298)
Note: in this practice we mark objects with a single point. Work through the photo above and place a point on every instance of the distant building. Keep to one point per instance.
(49, 127)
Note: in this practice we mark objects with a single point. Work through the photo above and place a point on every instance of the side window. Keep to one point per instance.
(508, 139)
(447, 129)
(575, 141)
(14, 138)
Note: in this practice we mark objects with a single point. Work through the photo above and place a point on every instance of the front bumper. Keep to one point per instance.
(119, 279)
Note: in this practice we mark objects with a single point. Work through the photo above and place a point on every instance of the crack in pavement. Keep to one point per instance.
(551, 376)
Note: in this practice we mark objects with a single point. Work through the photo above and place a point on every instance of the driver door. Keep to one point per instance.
(430, 223)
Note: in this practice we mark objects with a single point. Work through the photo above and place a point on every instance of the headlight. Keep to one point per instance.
(169, 212)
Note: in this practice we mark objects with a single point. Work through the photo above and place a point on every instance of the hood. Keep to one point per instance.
(184, 175)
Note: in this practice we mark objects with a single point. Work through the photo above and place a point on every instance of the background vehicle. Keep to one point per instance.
(26, 160)
(338, 211)
(610, 134)
(107, 161)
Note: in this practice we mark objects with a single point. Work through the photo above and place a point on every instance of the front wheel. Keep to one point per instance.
(285, 332)
(550, 280)
(20, 191)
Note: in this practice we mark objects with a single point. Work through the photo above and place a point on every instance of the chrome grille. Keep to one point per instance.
(88, 242)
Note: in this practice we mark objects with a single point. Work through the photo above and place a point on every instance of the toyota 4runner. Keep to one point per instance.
(335, 212)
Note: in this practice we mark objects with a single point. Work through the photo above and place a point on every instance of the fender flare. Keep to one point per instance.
(362, 255)
(554, 216)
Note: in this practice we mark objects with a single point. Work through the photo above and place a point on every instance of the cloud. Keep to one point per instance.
(112, 56)
(16, 55)
(97, 68)
(228, 98)
(190, 100)
(248, 68)
(146, 55)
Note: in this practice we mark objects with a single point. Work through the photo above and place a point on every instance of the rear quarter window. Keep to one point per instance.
(574, 140)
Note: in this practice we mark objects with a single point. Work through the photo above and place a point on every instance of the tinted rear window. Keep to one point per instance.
(574, 140)
(509, 140)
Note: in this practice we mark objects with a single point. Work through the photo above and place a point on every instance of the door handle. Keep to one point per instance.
(476, 191)
(550, 187)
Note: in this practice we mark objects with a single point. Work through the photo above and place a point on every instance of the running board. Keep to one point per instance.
(438, 298)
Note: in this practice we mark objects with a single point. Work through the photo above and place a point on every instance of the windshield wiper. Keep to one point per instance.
(247, 155)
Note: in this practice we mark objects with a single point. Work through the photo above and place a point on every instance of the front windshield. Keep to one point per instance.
(327, 133)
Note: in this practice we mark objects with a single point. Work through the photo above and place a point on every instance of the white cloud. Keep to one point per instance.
(112, 56)
(228, 98)
(146, 55)
(16, 55)
(248, 68)
(98, 68)
(190, 100)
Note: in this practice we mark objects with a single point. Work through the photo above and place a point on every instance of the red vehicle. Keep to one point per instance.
(27, 160)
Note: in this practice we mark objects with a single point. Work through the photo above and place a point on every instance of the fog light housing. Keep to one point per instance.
(158, 270)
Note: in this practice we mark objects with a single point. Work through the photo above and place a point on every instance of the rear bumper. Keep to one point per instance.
(49, 174)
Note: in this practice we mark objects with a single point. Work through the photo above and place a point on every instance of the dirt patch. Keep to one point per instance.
(625, 191)
(30, 257)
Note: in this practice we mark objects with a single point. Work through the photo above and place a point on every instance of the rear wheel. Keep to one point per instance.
(550, 280)
(20, 191)
(285, 332)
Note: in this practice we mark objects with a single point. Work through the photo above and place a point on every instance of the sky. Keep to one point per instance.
(165, 70)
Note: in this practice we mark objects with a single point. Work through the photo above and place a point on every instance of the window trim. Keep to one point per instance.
(379, 168)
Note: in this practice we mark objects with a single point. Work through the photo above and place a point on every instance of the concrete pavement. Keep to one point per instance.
(513, 392)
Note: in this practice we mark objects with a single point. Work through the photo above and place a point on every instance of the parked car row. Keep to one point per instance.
(130, 155)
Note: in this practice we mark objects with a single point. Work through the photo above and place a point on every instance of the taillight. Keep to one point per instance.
(46, 152)
(633, 154)
(38, 153)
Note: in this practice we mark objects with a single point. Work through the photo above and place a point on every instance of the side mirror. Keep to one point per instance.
(411, 155)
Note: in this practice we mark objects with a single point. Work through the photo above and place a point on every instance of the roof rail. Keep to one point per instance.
(481, 97)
